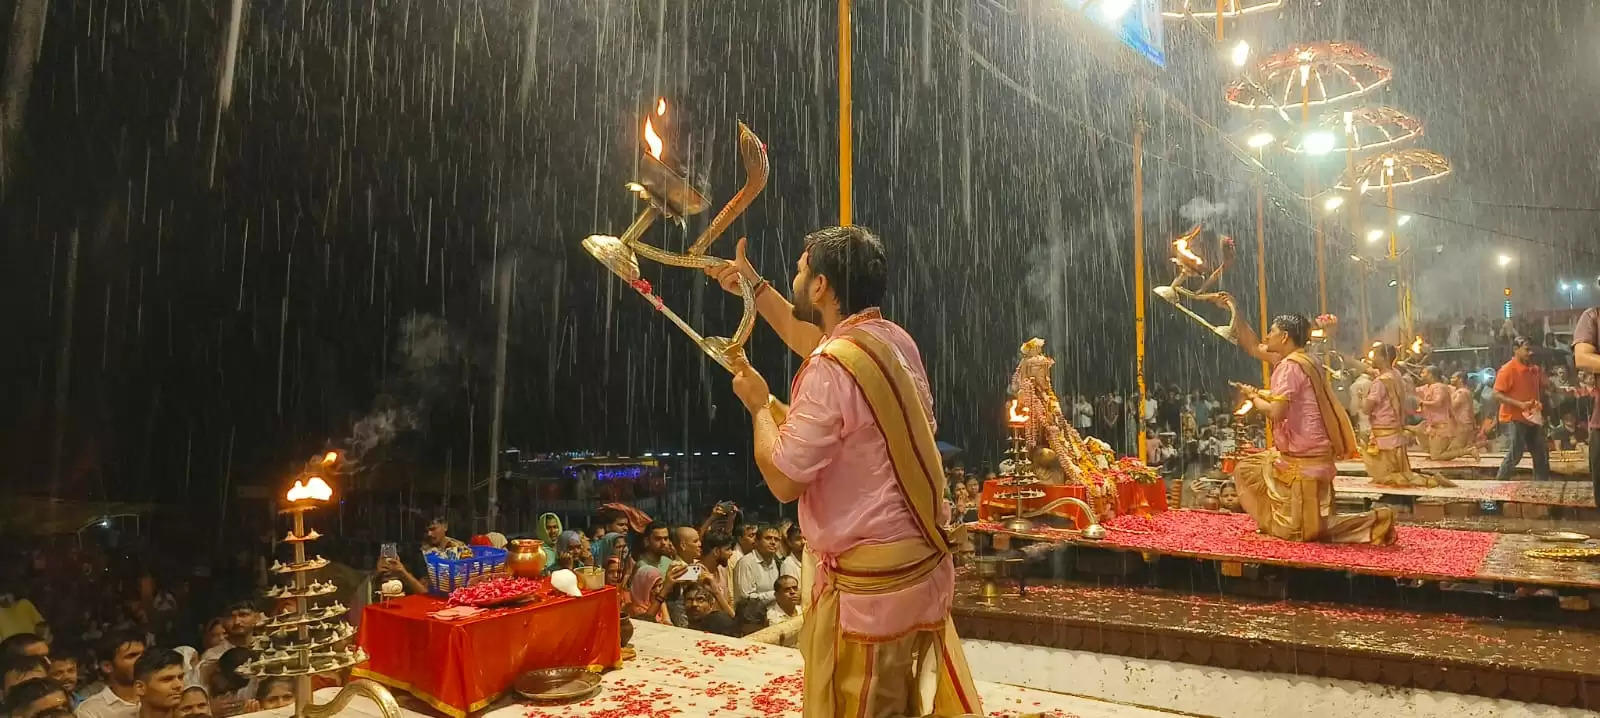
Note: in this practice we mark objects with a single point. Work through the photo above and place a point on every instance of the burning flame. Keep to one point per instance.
(1018, 413)
(652, 139)
(1181, 246)
(330, 457)
(1416, 346)
(314, 489)
(1244, 408)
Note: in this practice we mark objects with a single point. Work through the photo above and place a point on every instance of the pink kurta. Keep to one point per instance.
(1300, 432)
(1381, 408)
(1434, 400)
(831, 443)
(1461, 406)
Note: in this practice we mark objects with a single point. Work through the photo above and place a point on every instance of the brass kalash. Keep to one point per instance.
(304, 639)
(668, 194)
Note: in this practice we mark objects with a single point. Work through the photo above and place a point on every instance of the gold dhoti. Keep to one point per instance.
(1392, 467)
(923, 672)
(1289, 504)
(1450, 442)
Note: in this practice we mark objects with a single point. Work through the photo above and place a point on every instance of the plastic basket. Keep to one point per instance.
(448, 574)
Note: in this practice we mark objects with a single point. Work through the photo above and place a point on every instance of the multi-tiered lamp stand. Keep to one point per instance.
(301, 640)
(1019, 483)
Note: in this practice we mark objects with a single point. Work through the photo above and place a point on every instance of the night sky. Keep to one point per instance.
(329, 281)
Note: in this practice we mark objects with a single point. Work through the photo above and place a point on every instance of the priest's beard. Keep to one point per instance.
(803, 309)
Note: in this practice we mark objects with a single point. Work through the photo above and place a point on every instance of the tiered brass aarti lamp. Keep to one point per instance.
(304, 639)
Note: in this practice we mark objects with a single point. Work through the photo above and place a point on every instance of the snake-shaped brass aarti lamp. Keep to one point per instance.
(668, 194)
(1191, 265)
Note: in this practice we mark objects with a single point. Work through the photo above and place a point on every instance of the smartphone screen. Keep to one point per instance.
(390, 550)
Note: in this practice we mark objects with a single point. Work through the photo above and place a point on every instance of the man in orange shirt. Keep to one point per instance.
(1518, 387)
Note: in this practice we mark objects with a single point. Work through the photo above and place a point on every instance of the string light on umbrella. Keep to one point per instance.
(1209, 9)
(1360, 130)
(1309, 75)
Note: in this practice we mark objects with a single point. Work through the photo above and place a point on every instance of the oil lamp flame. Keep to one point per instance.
(1185, 256)
(330, 457)
(651, 139)
(1018, 413)
(314, 489)
(1243, 409)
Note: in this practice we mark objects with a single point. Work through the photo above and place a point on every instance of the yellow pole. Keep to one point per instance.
(1138, 271)
(1403, 313)
(1305, 128)
(846, 160)
(1261, 278)
(1220, 5)
(1366, 334)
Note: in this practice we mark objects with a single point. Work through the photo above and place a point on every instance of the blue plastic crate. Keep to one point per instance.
(448, 574)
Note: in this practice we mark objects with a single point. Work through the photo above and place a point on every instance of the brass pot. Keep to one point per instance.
(526, 558)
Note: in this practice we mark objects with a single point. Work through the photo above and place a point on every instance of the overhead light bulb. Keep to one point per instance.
(1318, 143)
(1113, 10)
(1332, 203)
(1374, 235)
(1404, 218)
(1355, 257)
(1504, 259)
(1394, 282)
(1259, 140)
(1240, 54)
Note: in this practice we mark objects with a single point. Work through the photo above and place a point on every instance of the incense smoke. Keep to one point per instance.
(1201, 209)
(426, 353)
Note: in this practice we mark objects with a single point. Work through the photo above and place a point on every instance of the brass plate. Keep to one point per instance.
(557, 685)
(1560, 536)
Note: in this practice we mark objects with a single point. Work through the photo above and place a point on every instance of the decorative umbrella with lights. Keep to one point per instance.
(1396, 168)
(1361, 130)
(1308, 75)
(1388, 170)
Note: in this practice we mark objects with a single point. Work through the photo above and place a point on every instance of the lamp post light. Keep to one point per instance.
(1569, 289)
(1504, 262)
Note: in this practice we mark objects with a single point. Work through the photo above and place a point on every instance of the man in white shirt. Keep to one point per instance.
(786, 601)
(796, 543)
(756, 573)
(1082, 414)
(745, 537)
(120, 698)
(240, 623)
(158, 674)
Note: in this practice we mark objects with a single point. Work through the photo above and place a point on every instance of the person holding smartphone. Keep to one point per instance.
(390, 567)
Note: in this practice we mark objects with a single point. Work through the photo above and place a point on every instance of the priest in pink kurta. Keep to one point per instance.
(1438, 432)
(832, 444)
(1288, 489)
(855, 447)
(1386, 460)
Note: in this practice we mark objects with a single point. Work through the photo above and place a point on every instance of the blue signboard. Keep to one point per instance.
(1136, 22)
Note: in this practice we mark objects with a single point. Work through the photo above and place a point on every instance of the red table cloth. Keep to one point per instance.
(1132, 497)
(461, 666)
